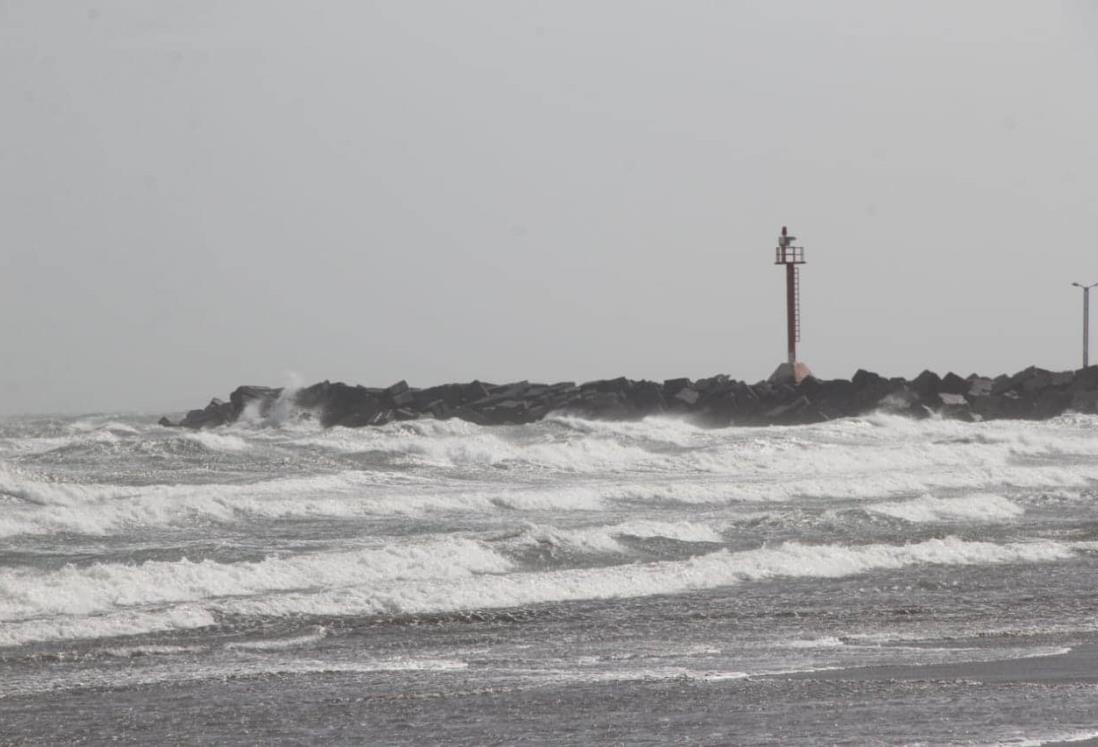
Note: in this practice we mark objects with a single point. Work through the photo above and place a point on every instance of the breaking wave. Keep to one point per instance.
(437, 516)
(983, 507)
(439, 576)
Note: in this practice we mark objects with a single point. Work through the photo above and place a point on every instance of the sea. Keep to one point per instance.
(872, 580)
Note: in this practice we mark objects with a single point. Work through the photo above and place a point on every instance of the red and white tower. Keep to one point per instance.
(792, 257)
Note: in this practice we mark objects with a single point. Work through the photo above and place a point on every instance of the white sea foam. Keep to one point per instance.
(683, 531)
(129, 652)
(236, 664)
(121, 623)
(40, 506)
(569, 464)
(596, 540)
(979, 507)
(218, 441)
(318, 633)
(43, 506)
(813, 643)
(104, 587)
(446, 575)
(280, 412)
(644, 674)
(1065, 737)
(703, 572)
(604, 539)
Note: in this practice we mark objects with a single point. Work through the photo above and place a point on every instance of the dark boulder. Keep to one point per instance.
(927, 385)
(831, 398)
(602, 405)
(979, 386)
(558, 396)
(474, 391)
(1085, 402)
(619, 385)
(863, 379)
(1062, 379)
(397, 396)
(790, 412)
(870, 391)
(513, 391)
(953, 384)
(671, 387)
(260, 397)
(214, 414)
(688, 396)
(957, 407)
(341, 404)
(450, 395)
(1050, 403)
(1037, 380)
(1085, 380)
(1028, 380)
(999, 406)
(646, 398)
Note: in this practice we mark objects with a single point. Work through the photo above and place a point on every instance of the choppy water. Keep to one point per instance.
(562, 582)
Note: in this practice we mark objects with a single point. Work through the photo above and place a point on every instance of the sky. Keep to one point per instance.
(197, 194)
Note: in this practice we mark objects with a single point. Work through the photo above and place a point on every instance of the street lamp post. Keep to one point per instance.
(1086, 321)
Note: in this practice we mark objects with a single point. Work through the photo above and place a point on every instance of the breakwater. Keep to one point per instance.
(717, 401)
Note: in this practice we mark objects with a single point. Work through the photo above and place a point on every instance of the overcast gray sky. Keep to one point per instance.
(198, 194)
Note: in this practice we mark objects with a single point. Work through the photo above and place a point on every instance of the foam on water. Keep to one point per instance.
(878, 457)
(244, 664)
(747, 475)
(41, 506)
(218, 441)
(131, 622)
(104, 587)
(318, 633)
(979, 507)
(1059, 737)
(792, 560)
(383, 550)
(130, 652)
(604, 539)
(437, 576)
(564, 483)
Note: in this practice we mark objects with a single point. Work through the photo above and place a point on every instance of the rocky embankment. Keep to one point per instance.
(717, 401)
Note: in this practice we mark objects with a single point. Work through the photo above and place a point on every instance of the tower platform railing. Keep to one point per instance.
(789, 255)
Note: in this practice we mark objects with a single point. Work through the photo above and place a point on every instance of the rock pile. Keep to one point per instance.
(717, 401)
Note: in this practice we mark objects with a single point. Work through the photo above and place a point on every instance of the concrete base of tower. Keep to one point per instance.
(790, 373)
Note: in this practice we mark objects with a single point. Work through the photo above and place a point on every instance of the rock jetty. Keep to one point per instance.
(1032, 394)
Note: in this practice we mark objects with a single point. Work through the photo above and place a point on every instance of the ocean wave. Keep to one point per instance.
(218, 441)
(721, 568)
(979, 507)
(315, 635)
(38, 505)
(103, 587)
(129, 622)
(605, 539)
(236, 664)
(437, 576)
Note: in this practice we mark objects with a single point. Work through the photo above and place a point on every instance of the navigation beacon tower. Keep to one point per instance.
(792, 257)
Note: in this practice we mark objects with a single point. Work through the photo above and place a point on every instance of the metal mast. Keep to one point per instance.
(792, 257)
(1086, 321)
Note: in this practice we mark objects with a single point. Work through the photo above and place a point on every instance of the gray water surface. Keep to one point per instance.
(877, 580)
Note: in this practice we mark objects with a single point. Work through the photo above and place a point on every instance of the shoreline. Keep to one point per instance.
(1076, 667)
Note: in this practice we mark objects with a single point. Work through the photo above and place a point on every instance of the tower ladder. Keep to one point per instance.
(797, 303)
